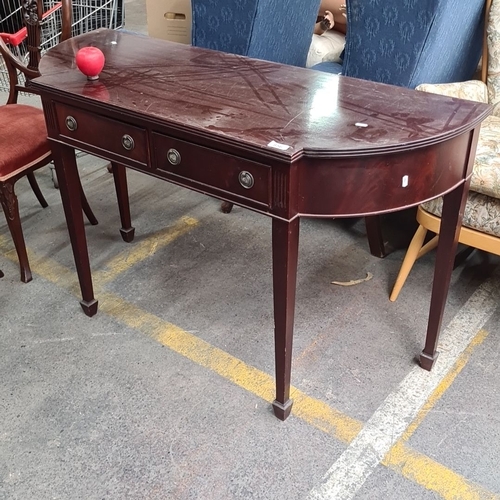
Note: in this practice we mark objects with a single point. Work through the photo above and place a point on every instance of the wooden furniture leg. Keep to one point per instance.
(36, 189)
(410, 258)
(462, 256)
(226, 207)
(374, 233)
(285, 240)
(375, 236)
(86, 207)
(69, 187)
(120, 178)
(415, 251)
(85, 204)
(8, 200)
(451, 222)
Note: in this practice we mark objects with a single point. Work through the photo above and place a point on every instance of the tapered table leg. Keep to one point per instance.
(69, 187)
(451, 222)
(120, 178)
(285, 254)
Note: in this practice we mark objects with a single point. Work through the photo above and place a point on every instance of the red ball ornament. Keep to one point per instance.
(90, 61)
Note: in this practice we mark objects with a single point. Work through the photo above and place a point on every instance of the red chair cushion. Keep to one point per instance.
(23, 138)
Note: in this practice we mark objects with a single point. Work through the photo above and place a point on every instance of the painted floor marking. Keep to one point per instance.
(348, 474)
(141, 250)
(421, 469)
(434, 476)
(402, 458)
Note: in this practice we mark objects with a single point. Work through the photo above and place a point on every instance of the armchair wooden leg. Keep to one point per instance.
(36, 189)
(411, 256)
(10, 206)
(120, 179)
(375, 236)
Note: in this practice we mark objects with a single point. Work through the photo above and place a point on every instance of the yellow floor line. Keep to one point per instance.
(402, 458)
(460, 363)
(311, 410)
(139, 251)
(423, 470)
(434, 476)
(229, 367)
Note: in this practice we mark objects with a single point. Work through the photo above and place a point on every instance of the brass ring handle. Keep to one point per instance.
(71, 123)
(246, 179)
(173, 156)
(128, 142)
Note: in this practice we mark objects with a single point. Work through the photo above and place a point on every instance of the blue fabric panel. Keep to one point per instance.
(406, 42)
(453, 48)
(224, 25)
(274, 30)
(283, 30)
(386, 37)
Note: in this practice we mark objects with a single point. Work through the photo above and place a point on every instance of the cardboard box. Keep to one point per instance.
(169, 20)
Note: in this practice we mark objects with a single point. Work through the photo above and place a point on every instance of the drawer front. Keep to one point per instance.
(210, 170)
(102, 133)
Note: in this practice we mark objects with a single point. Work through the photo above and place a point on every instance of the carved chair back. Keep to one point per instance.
(21, 158)
(34, 17)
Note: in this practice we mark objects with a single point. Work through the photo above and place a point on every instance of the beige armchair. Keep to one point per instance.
(481, 222)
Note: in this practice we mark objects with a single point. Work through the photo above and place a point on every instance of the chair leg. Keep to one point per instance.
(430, 245)
(54, 175)
(10, 206)
(412, 254)
(120, 178)
(375, 236)
(36, 189)
(226, 207)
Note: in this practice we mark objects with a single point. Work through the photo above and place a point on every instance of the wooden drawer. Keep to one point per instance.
(211, 171)
(102, 133)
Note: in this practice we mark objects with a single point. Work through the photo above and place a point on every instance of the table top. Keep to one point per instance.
(285, 110)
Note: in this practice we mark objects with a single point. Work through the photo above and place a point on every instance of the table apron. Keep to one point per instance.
(352, 187)
(308, 186)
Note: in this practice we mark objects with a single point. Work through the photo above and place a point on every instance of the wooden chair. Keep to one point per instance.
(481, 222)
(23, 135)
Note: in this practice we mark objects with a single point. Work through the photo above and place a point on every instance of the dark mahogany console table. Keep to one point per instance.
(282, 141)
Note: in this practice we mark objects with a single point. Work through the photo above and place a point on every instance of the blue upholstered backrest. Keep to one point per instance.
(407, 42)
(274, 30)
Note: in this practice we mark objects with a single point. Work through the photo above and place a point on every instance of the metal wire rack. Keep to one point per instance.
(88, 15)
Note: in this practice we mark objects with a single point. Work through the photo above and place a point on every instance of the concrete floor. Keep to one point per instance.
(165, 393)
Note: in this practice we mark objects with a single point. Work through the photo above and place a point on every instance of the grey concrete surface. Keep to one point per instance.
(93, 408)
